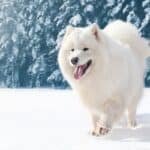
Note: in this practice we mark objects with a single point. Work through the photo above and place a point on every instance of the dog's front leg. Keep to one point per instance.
(111, 112)
(94, 120)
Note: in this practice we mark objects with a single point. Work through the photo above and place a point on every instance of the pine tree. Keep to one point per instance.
(31, 33)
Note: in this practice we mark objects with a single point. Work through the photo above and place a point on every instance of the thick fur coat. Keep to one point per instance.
(106, 69)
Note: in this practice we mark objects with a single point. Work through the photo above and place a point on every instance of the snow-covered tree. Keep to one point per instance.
(31, 32)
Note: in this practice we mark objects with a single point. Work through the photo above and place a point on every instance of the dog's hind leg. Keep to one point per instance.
(131, 111)
(132, 107)
(131, 114)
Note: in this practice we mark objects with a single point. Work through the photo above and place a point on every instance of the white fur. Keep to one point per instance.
(114, 81)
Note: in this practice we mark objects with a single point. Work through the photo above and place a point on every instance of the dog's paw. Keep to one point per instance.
(132, 124)
(99, 131)
(93, 132)
(103, 130)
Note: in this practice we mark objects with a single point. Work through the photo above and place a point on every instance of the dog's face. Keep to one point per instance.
(80, 59)
(78, 51)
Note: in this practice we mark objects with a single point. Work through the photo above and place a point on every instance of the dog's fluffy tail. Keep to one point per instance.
(128, 34)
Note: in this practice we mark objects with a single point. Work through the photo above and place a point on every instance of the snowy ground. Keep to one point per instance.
(55, 120)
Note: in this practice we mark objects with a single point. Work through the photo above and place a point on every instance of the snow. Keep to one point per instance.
(35, 28)
(75, 19)
(54, 75)
(144, 3)
(110, 2)
(146, 20)
(132, 17)
(89, 8)
(42, 119)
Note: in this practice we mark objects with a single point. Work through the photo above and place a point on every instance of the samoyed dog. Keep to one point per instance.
(105, 68)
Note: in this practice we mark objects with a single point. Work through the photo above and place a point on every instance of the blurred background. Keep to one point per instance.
(31, 32)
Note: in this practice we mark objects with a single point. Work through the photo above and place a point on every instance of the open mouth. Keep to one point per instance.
(81, 70)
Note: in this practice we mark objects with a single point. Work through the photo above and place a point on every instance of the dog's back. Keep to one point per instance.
(128, 34)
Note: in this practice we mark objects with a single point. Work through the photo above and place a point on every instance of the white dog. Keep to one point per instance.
(105, 68)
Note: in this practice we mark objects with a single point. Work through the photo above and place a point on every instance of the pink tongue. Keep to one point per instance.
(79, 71)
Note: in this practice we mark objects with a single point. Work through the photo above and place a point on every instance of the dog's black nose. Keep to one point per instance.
(74, 60)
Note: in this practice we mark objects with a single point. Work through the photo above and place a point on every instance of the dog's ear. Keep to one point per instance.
(95, 30)
(69, 29)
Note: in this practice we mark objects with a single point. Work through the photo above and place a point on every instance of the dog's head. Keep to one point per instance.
(79, 49)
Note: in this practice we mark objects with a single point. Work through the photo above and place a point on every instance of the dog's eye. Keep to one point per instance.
(72, 50)
(85, 49)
